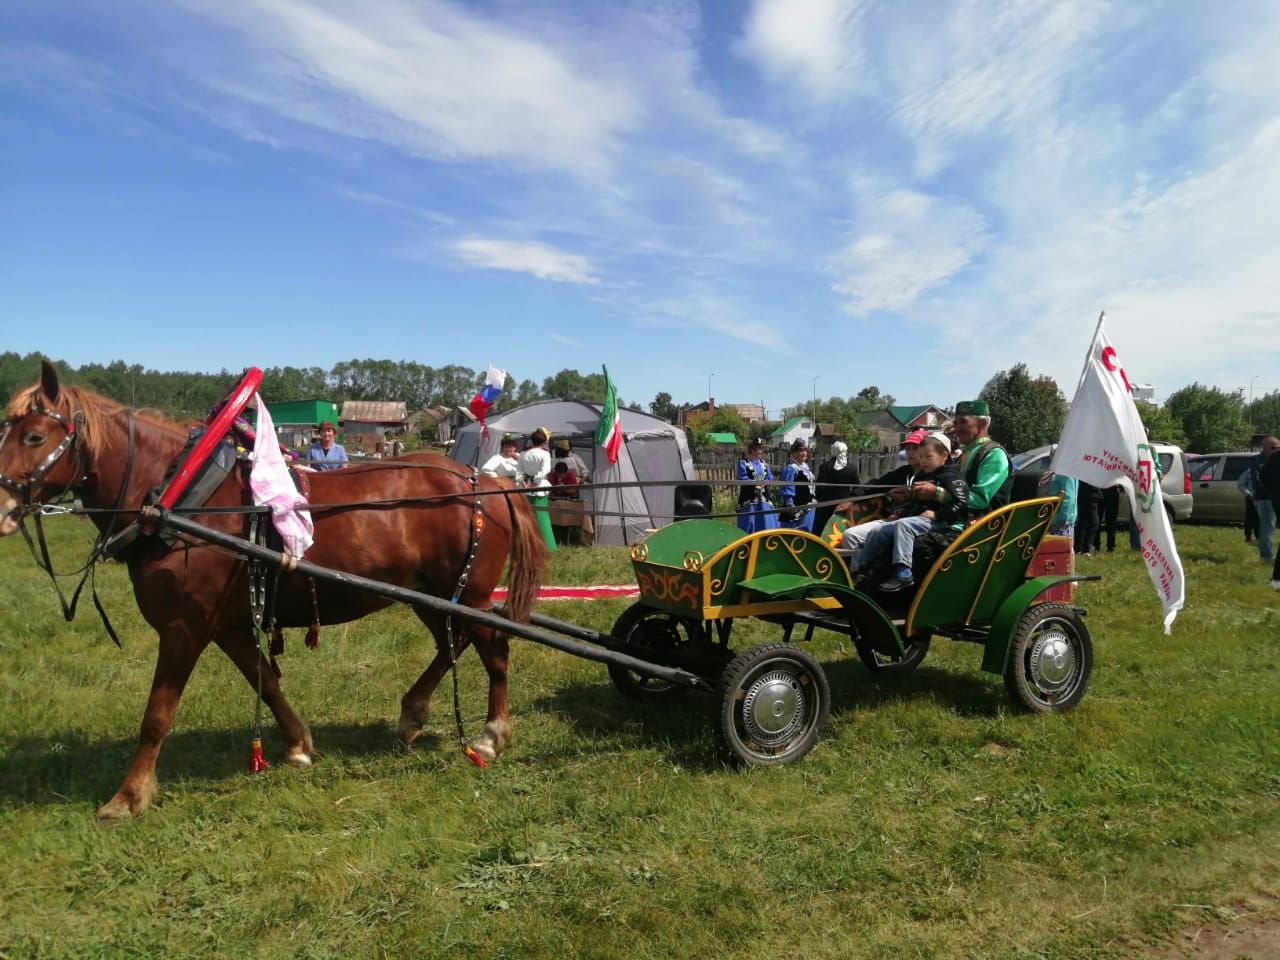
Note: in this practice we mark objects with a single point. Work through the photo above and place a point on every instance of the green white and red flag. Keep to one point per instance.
(609, 431)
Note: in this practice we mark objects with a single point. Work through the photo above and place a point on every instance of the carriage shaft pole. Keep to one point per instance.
(404, 595)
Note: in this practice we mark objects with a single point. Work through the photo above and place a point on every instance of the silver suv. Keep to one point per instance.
(1175, 481)
(1213, 485)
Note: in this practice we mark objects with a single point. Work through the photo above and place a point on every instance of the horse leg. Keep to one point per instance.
(415, 705)
(177, 656)
(494, 653)
(248, 657)
(493, 650)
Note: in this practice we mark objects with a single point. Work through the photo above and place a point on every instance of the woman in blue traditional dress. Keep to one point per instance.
(755, 511)
(798, 490)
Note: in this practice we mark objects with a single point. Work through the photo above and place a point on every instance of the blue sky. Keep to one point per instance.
(907, 194)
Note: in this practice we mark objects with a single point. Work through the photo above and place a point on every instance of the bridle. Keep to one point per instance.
(70, 441)
(22, 489)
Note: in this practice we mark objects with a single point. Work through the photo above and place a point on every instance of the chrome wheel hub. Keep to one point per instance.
(1053, 660)
(773, 708)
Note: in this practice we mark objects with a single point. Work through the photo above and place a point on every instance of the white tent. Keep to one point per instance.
(652, 449)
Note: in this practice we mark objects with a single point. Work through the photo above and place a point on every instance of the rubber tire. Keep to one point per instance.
(917, 649)
(1018, 672)
(743, 676)
(633, 685)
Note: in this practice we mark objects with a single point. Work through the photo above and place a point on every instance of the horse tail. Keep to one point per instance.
(528, 558)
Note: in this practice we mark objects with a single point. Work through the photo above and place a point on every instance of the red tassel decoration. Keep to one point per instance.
(475, 758)
(257, 762)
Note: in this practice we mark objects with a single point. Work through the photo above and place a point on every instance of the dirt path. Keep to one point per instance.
(1250, 932)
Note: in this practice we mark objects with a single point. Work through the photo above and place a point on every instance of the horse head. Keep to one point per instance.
(41, 448)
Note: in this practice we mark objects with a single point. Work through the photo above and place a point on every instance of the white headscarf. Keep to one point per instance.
(841, 451)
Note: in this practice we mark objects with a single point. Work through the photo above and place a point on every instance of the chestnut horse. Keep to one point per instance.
(66, 438)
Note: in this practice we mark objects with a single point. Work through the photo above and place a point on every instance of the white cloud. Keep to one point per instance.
(907, 244)
(812, 41)
(567, 341)
(544, 262)
(428, 78)
(1186, 274)
(724, 317)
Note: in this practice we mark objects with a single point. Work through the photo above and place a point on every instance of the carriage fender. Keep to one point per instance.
(1006, 619)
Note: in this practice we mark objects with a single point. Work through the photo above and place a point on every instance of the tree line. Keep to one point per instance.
(183, 394)
(1027, 411)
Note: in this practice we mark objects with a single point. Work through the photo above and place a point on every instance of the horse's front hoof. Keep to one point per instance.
(299, 760)
(412, 720)
(118, 809)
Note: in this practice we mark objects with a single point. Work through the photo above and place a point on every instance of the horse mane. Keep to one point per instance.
(93, 407)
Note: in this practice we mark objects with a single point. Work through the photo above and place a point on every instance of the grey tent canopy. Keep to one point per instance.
(652, 449)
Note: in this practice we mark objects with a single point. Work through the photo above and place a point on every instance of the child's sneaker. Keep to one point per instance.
(900, 580)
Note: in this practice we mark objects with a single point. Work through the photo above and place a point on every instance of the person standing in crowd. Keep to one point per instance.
(503, 463)
(324, 453)
(755, 510)
(1064, 522)
(1088, 501)
(1269, 488)
(1250, 483)
(798, 489)
(534, 465)
(564, 451)
(984, 463)
(836, 479)
(1109, 519)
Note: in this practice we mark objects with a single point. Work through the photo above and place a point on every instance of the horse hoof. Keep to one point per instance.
(484, 746)
(408, 732)
(299, 761)
(114, 811)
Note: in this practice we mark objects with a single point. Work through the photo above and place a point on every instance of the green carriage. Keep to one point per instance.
(696, 577)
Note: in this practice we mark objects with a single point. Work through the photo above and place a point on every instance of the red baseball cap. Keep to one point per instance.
(913, 438)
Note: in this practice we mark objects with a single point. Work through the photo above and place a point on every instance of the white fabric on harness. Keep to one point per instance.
(272, 487)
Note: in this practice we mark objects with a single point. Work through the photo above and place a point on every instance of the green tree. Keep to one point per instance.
(1211, 419)
(1160, 424)
(872, 399)
(662, 406)
(1264, 413)
(1025, 412)
(723, 420)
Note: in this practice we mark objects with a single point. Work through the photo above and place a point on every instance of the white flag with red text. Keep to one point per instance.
(1104, 443)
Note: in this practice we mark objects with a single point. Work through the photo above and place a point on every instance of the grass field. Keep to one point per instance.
(932, 821)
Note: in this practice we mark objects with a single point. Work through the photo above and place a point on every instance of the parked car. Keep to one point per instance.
(1175, 482)
(1213, 485)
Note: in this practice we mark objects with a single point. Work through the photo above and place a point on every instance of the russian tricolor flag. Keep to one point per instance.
(494, 379)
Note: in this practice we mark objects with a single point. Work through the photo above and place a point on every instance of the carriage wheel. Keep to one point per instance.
(1050, 659)
(774, 703)
(665, 635)
(877, 662)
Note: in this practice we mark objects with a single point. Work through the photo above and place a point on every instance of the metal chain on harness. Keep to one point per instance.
(257, 614)
(476, 528)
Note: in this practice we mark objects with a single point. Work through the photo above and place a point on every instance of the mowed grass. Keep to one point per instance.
(933, 820)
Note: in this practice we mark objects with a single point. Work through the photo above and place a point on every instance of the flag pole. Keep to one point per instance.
(1084, 370)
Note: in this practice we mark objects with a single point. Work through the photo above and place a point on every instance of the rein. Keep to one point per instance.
(42, 559)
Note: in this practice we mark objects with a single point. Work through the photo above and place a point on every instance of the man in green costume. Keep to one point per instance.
(984, 463)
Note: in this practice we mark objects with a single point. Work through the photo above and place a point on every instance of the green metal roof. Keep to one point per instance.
(904, 415)
(723, 437)
(782, 430)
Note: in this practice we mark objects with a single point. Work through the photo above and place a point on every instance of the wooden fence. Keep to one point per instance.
(712, 467)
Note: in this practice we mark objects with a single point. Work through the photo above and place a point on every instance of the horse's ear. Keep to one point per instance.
(49, 381)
